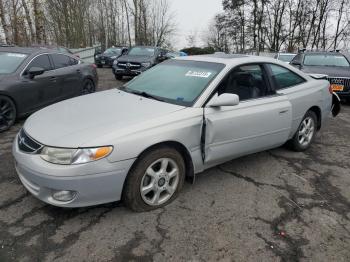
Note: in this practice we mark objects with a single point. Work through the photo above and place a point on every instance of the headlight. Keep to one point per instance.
(96, 56)
(115, 62)
(67, 156)
(146, 64)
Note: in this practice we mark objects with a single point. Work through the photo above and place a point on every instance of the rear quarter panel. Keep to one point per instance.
(305, 96)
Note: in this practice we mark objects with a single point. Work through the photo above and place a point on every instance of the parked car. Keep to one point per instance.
(107, 57)
(33, 78)
(173, 121)
(335, 65)
(137, 60)
(285, 57)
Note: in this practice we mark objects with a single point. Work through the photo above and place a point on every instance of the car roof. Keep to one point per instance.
(228, 59)
(282, 53)
(322, 53)
(27, 50)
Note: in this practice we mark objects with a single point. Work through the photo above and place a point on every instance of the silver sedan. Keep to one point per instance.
(139, 143)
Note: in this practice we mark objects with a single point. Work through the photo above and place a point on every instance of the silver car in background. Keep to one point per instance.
(138, 144)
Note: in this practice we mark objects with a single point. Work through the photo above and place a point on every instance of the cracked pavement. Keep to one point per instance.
(276, 205)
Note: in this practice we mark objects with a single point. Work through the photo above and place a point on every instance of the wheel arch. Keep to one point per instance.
(318, 113)
(190, 175)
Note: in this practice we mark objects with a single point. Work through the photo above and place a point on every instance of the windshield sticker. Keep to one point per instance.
(16, 55)
(198, 74)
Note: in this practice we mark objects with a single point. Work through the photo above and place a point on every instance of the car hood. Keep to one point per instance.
(329, 71)
(80, 121)
(135, 58)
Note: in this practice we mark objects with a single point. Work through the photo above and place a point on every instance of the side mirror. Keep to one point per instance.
(224, 100)
(35, 71)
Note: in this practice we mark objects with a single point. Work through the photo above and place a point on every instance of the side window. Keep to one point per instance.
(284, 78)
(248, 82)
(41, 61)
(60, 61)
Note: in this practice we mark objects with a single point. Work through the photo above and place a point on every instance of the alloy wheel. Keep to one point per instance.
(7, 113)
(159, 182)
(88, 88)
(306, 131)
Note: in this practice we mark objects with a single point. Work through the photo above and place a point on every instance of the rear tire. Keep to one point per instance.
(88, 87)
(155, 180)
(8, 113)
(305, 134)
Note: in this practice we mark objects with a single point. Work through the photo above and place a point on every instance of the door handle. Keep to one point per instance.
(53, 78)
(284, 111)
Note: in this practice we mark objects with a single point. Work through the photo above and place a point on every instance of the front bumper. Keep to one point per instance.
(105, 61)
(95, 183)
(127, 72)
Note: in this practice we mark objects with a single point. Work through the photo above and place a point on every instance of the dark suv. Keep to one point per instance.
(109, 56)
(335, 65)
(138, 60)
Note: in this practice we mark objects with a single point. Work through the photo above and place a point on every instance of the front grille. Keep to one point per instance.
(27, 144)
(127, 65)
(340, 81)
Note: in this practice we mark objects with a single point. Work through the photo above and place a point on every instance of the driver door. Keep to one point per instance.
(42, 89)
(262, 120)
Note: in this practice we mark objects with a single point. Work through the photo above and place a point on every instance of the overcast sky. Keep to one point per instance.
(192, 16)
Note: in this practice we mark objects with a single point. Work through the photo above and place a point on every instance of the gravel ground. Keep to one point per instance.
(276, 205)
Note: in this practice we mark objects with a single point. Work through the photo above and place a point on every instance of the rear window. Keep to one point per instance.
(61, 60)
(9, 62)
(326, 60)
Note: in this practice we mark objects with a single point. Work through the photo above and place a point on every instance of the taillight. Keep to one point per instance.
(94, 66)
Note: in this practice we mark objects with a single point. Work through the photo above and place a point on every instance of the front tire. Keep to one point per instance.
(155, 180)
(8, 113)
(305, 134)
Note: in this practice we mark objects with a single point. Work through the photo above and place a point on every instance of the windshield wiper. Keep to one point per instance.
(140, 93)
(145, 94)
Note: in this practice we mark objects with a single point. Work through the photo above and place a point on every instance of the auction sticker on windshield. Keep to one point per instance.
(198, 74)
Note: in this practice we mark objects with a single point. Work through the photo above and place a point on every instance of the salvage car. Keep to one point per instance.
(137, 60)
(32, 78)
(181, 117)
(335, 65)
(109, 56)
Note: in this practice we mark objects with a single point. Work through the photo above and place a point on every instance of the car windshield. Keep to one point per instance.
(174, 81)
(9, 62)
(326, 60)
(111, 51)
(142, 51)
(285, 57)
